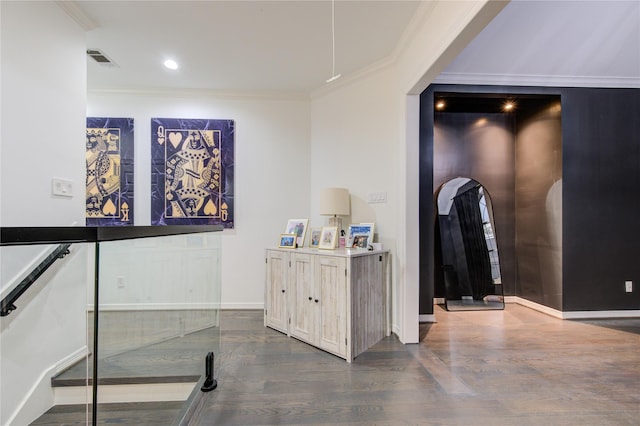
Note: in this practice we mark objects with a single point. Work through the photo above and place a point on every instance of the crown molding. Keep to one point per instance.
(537, 80)
(205, 93)
(348, 79)
(76, 13)
(413, 28)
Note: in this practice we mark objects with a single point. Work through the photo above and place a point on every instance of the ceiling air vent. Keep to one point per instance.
(100, 58)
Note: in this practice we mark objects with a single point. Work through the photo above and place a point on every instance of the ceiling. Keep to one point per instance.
(555, 43)
(286, 46)
(238, 45)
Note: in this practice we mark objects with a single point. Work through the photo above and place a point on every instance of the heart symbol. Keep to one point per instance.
(175, 138)
(161, 141)
(109, 208)
(210, 208)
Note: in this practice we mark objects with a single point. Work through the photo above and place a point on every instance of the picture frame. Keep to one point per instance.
(372, 233)
(328, 237)
(288, 241)
(298, 227)
(360, 235)
(314, 237)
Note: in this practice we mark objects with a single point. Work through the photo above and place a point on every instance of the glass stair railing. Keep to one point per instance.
(117, 330)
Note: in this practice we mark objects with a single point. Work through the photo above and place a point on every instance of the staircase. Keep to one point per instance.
(136, 385)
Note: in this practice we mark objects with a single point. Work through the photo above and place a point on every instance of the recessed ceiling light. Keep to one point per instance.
(171, 64)
(440, 105)
(509, 106)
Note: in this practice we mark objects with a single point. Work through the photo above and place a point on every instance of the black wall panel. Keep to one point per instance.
(481, 146)
(600, 196)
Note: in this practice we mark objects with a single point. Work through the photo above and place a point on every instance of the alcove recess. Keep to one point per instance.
(516, 154)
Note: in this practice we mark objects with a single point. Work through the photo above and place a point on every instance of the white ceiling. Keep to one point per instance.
(239, 45)
(286, 46)
(560, 43)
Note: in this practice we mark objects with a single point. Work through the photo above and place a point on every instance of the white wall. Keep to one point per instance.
(271, 171)
(43, 79)
(354, 144)
(43, 100)
(359, 135)
(356, 133)
(368, 127)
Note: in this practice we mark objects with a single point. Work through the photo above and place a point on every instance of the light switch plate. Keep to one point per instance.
(377, 197)
(62, 187)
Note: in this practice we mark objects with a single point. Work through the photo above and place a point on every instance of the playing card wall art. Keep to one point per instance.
(109, 180)
(192, 172)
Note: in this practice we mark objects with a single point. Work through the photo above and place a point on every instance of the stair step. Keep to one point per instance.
(121, 393)
(139, 413)
(126, 380)
(177, 360)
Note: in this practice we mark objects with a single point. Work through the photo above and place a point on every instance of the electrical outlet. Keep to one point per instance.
(120, 281)
(628, 286)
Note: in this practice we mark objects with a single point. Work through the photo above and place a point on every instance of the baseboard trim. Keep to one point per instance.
(35, 402)
(568, 315)
(427, 318)
(176, 306)
(155, 307)
(151, 392)
(535, 306)
(71, 359)
(601, 314)
(38, 398)
(242, 306)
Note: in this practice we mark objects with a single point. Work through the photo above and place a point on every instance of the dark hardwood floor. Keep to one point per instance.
(511, 367)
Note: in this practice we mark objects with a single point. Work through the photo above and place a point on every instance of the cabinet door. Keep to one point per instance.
(301, 301)
(276, 298)
(331, 293)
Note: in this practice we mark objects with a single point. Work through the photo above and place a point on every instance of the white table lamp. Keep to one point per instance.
(335, 202)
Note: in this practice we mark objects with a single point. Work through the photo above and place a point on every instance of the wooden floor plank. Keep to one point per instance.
(512, 367)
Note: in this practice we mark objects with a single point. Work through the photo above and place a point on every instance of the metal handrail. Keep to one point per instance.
(65, 236)
(8, 303)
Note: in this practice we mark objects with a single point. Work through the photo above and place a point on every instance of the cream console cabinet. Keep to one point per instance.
(336, 300)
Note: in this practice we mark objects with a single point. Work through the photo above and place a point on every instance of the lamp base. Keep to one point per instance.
(337, 222)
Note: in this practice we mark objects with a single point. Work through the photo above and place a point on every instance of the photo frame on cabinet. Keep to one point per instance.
(314, 238)
(328, 237)
(360, 235)
(298, 227)
(288, 241)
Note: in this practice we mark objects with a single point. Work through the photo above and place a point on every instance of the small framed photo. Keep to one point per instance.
(298, 227)
(288, 241)
(314, 238)
(328, 237)
(360, 235)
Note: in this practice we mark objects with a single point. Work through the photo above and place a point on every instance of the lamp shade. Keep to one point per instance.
(335, 202)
